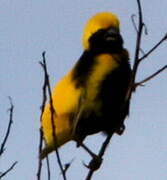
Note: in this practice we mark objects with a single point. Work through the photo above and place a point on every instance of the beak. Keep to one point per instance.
(112, 34)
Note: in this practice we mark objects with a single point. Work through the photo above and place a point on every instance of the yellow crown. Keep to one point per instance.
(101, 20)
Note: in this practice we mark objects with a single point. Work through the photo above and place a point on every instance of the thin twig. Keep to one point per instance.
(87, 150)
(151, 76)
(48, 167)
(105, 144)
(133, 22)
(40, 131)
(53, 113)
(8, 128)
(145, 29)
(138, 41)
(137, 50)
(39, 152)
(68, 165)
(96, 162)
(6, 138)
(8, 170)
(154, 47)
(136, 29)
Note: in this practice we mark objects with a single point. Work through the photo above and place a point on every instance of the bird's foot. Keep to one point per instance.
(95, 163)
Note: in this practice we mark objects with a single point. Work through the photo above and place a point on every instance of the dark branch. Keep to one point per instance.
(39, 152)
(48, 167)
(154, 48)
(67, 166)
(133, 22)
(2, 149)
(137, 50)
(8, 170)
(96, 162)
(145, 29)
(53, 112)
(139, 37)
(136, 29)
(40, 131)
(151, 76)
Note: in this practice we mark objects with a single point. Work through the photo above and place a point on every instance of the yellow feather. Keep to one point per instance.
(65, 101)
(66, 96)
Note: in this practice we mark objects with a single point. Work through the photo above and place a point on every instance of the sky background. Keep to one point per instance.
(27, 28)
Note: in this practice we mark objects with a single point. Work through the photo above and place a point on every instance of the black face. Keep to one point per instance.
(106, 40)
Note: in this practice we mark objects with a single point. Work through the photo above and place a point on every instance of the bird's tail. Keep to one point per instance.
(63, 134)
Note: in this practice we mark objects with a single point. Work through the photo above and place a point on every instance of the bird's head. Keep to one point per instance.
(102, 32)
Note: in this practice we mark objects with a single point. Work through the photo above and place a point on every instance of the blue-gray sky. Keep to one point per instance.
(27, 28)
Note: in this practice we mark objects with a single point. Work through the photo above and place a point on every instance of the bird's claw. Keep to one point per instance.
(94, 164)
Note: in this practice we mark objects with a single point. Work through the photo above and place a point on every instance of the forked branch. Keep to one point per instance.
(2, 148)
(47, 88)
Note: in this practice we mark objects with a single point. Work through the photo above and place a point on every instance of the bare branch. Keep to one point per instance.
(53, 113)
(39, 152)
(40, 131)
(8, 170)
(8, 128)
(151, 76)
(145, 29)
(136, 29)
(68, 165)
(2, 149)
(139, 36)
(96, 162)
(155, 47)
(137, 50)
(133, 16)
(48, 167)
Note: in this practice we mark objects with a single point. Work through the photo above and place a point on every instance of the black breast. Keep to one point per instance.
(111, 94)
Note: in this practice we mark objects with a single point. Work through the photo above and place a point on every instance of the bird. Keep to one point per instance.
(90, 98)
